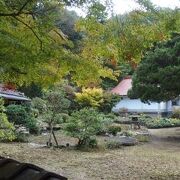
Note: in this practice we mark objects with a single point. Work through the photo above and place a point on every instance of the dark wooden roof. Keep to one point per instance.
(12, 94)
(14, 170)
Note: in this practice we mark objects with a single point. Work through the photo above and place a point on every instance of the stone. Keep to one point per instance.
(22, 130)
(124, 140)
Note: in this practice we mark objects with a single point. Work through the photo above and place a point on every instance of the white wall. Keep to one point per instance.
(135, 105)
(178, 102)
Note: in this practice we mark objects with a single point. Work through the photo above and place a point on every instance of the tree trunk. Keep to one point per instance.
(55, 139)
(50, 135)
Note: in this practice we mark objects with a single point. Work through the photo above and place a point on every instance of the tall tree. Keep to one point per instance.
(157, 76)
(33, 48)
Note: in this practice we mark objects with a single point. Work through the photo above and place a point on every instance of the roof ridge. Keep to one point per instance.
(12, 169)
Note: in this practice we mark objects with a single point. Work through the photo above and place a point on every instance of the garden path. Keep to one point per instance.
(168, 138)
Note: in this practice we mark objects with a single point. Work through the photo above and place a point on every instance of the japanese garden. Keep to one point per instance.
(89, 90)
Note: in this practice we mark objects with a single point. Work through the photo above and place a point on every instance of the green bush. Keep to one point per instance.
(114, 129)
(21, 115)
(176, 113)
(106, 121)
(16, 114)
(6, 128)
(160, 122)
(110, 100)
(39, 104)
(84, 125)
(20, 137)
(31, 124)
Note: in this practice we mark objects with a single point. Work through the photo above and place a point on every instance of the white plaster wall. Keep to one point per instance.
(135, 105)
(178, 102)
(169, 106)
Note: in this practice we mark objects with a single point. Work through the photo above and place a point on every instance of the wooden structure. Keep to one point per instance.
(14, 170)
(11, 96)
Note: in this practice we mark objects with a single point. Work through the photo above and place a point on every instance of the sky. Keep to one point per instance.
(123, 6)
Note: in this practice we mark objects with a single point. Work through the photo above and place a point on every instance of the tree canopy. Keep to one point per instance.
(122, 40)
(42, 42)
(157, 76)
(33, 48)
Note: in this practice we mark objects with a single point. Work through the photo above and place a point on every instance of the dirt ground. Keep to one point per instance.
(158, 159)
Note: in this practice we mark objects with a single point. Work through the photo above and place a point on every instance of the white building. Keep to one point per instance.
(136, 105)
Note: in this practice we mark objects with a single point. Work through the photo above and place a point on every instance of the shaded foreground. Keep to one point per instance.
(11, 169)
(159, 159)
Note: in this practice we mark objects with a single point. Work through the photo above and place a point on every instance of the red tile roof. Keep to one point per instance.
(123, 87)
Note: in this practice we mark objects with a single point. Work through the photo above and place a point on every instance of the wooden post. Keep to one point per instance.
(55, 139)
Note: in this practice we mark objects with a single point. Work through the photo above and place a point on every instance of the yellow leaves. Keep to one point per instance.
(90, 26)
(90, 96)
(107, 73)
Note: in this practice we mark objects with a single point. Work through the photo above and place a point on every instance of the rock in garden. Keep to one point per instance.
(124, 141)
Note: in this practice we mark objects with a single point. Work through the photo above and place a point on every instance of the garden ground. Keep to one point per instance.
(158, 159)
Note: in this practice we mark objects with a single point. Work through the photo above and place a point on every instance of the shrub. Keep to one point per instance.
(110, 100)
(92, 143)
(6, 128)
(160, 122)
(31, 124)
(114, 129)
(128, 133)
(39, 104)
(106, 121)
(16, 114)
(20, 137)
(19, 116)
(176, 113)
(111, 116)
(90, 97)
(84, 125)
(95, 97)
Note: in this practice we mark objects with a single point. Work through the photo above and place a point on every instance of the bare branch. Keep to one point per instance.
(25, 4)
(19, 12)
(32, 30)
(60, 34)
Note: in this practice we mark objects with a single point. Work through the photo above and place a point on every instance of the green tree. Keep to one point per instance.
(32, 90)
(157, 76)
(54, 107)
(66, 23)
(124, 38)
(83, 125)
(98, 11)
(34, 49)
